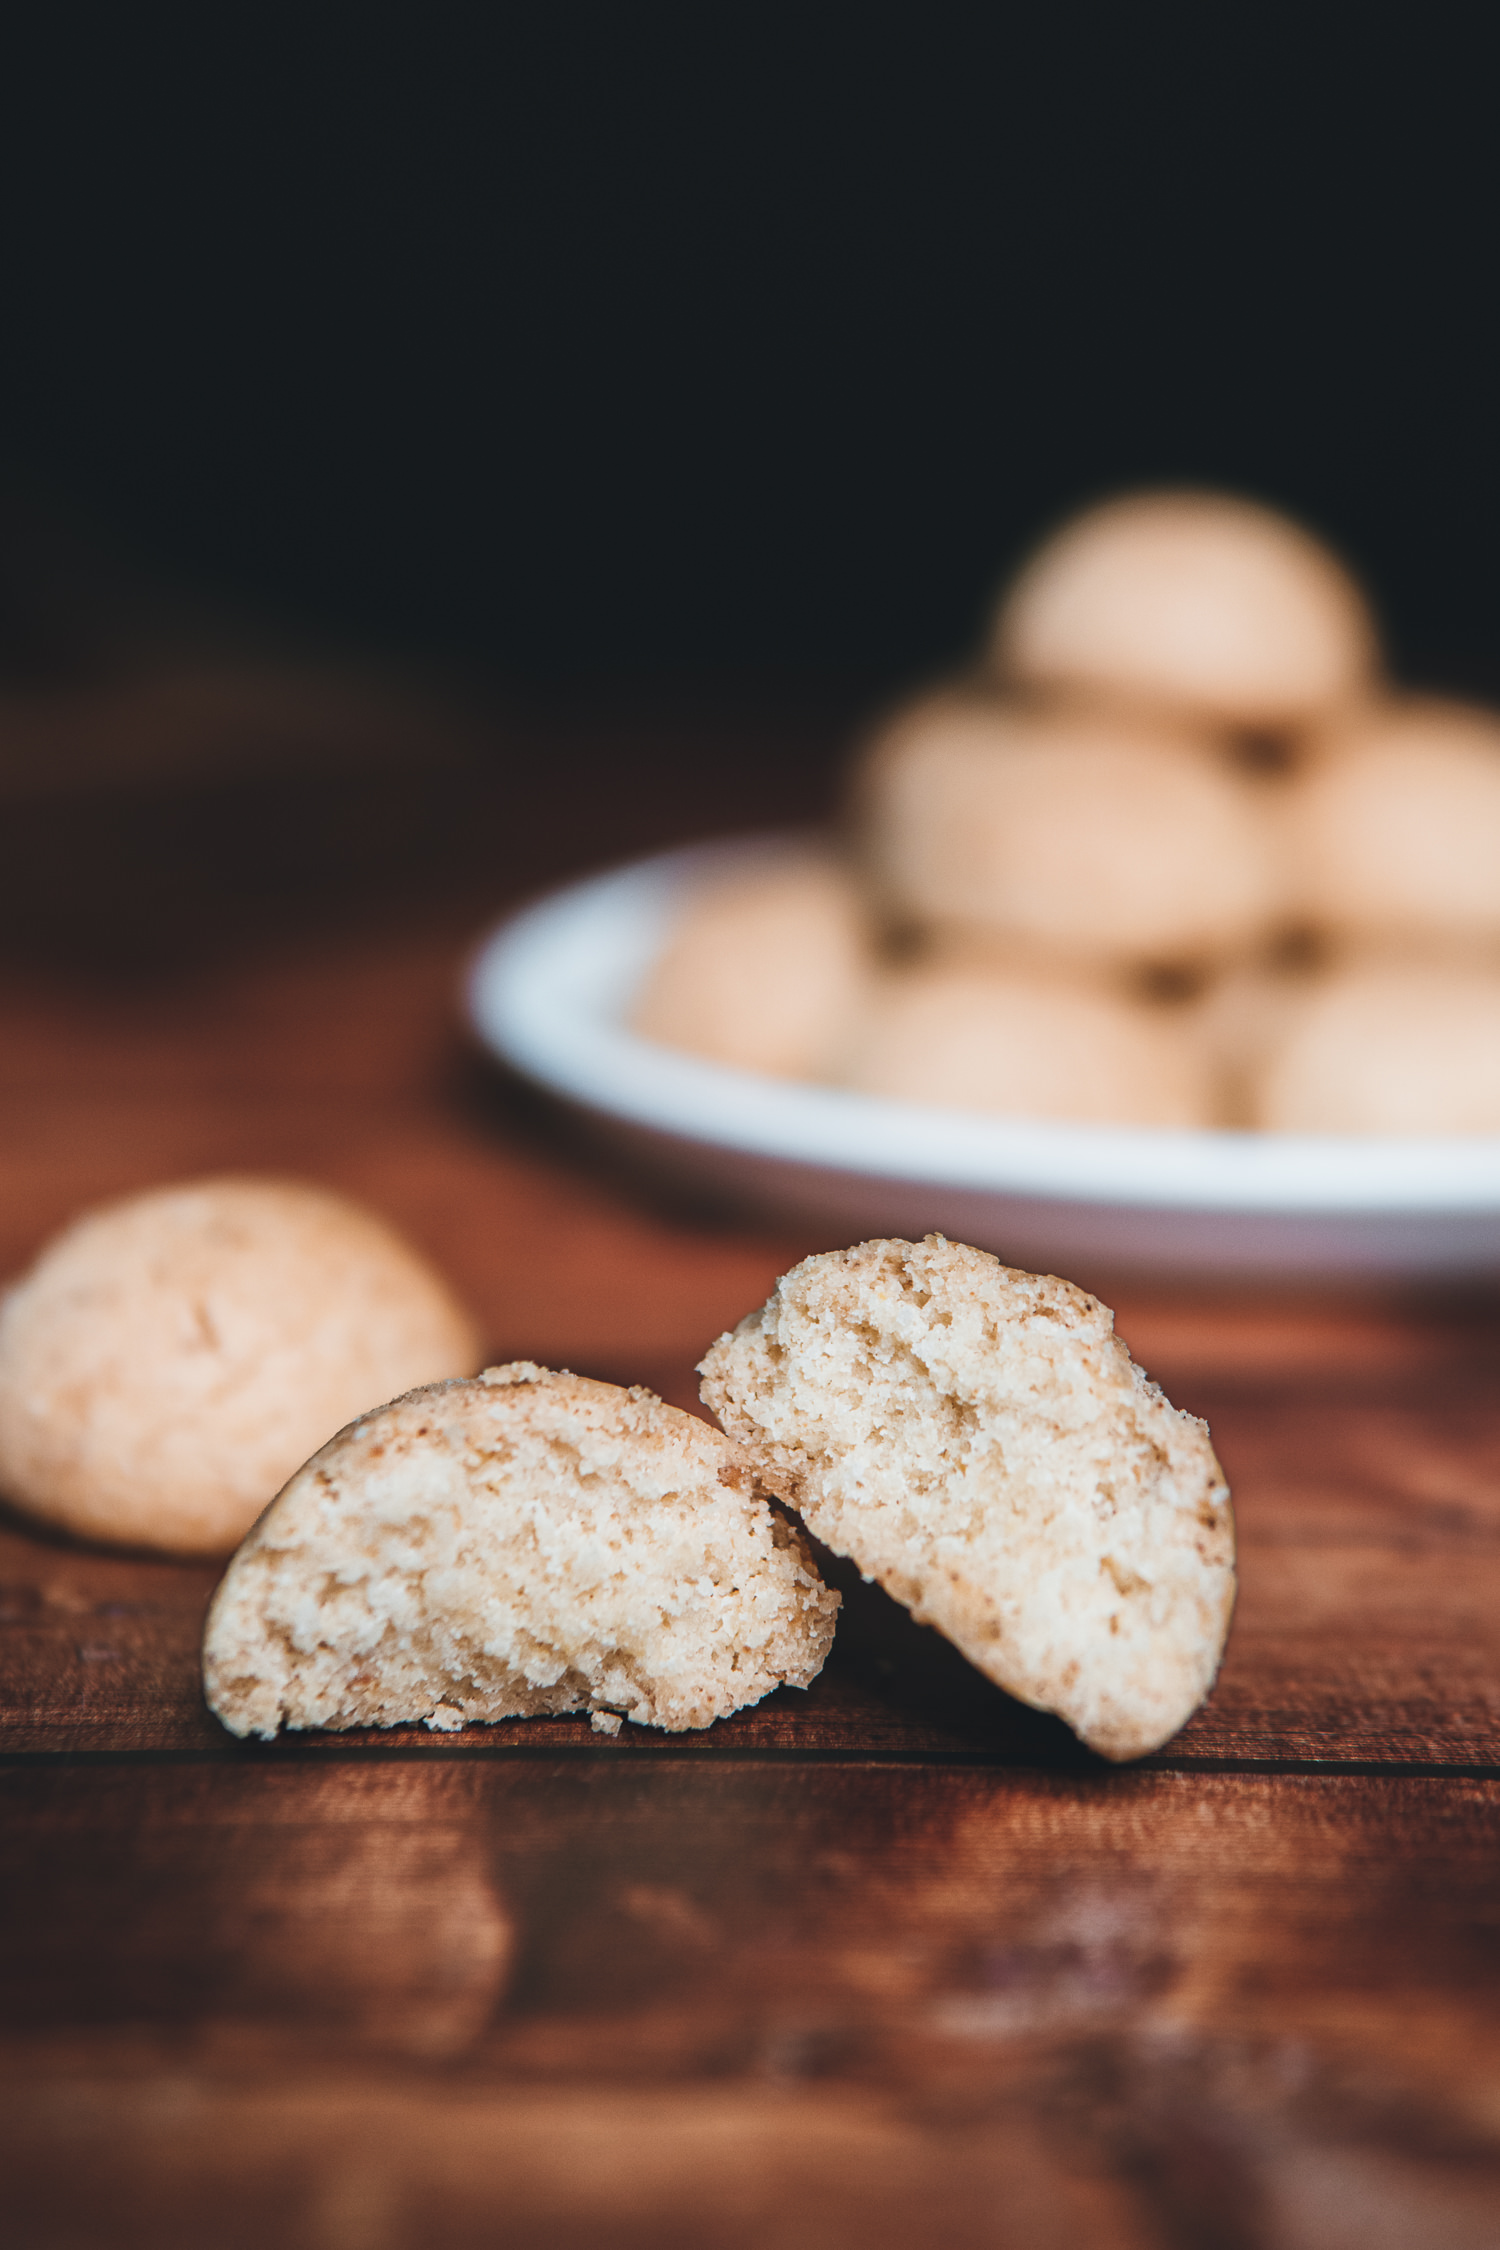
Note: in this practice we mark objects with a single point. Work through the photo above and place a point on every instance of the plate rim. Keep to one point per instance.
(532, 1000)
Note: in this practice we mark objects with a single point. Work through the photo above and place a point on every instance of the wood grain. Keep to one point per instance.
(748, 2003)
(892, 1961)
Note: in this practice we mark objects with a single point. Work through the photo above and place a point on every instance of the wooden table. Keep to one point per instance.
(890, 1962)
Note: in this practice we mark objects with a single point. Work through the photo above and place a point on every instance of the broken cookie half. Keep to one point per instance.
(520, 1543)
(979, 1441)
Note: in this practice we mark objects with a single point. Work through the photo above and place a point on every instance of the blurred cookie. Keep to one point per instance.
(1237, 1022)
(523, 1543)
(171, 1359)
(1074, 835)
(762, 968)
(1383, 1047)
(1017, 1044)
(1393, 825)
(1190, 601)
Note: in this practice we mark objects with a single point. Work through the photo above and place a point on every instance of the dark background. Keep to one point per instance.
(586, 342)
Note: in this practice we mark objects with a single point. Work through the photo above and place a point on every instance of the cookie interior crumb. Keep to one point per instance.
(981, 1443)
(521, 1543)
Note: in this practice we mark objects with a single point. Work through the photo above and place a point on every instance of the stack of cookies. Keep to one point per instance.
(1171, 853)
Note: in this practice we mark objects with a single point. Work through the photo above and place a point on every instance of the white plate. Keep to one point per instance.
(550, 993)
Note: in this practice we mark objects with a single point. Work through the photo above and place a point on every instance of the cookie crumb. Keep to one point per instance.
(508, 1547)
(980, 1441)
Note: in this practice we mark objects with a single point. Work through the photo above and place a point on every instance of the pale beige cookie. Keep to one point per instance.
(762, 967)
(1081, 836)
(1393, 825)
(1389, 1047)
(979, 1441)
(1016, 1043)
(1190, 601)
(1236, 1023)
(170, 1359)
(521, 1543)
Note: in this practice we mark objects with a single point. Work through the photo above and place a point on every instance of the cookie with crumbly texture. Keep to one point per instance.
(980, 1442)
(520, 1543)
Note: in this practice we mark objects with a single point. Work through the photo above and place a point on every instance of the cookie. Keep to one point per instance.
(1015, 1043)
(1192, 602)
(979, 1441)
(762, 967)
(1073, 835)
(170, 1359)
(517, 1544)
(1393, 826)
(1236, 1023)
(1389, 1047)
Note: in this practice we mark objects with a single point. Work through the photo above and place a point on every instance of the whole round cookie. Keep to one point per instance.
(1393, 825)
(1080, 835)
(1389, 1047)
(170, 1360)
(1193, 601)
(762, 967)
(1018, 1044)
